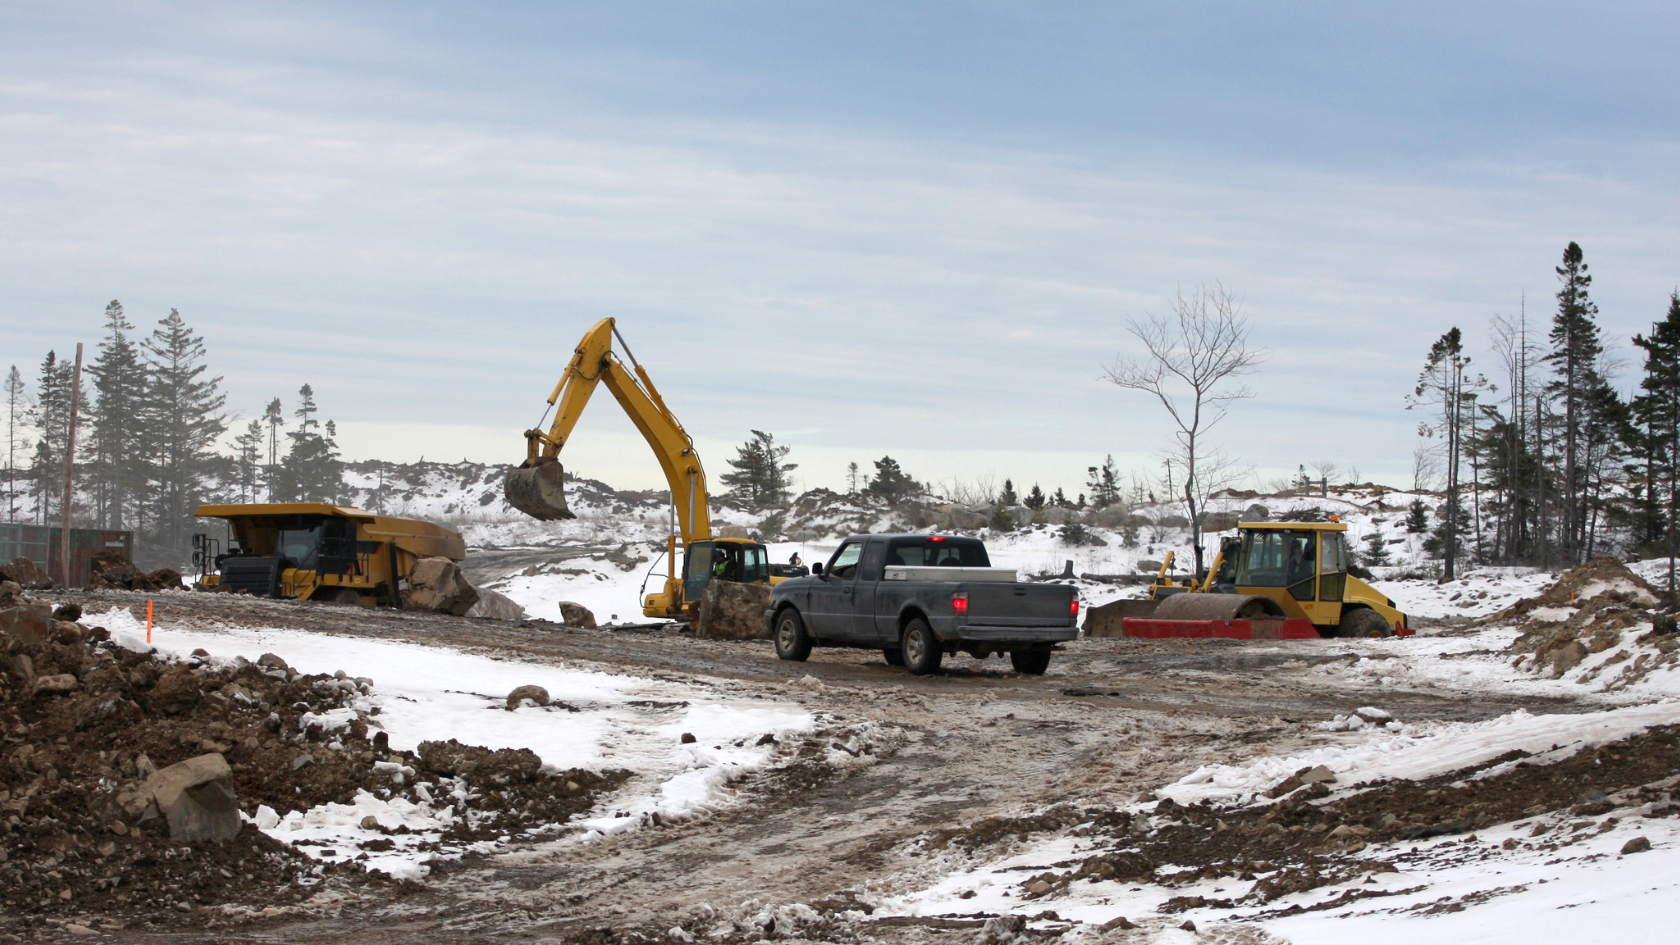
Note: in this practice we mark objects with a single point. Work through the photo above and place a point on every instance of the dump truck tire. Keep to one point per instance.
(538, 491)
(1363, 622)
(1218, 607)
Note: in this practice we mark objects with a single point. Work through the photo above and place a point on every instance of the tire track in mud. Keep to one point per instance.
(829, 827)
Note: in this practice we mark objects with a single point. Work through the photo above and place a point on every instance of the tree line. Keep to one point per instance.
(148, 444)
(1562, 466)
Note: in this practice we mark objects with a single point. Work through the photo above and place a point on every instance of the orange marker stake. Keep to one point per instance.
(148, 621)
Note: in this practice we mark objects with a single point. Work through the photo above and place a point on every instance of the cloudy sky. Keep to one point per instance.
(868, 228)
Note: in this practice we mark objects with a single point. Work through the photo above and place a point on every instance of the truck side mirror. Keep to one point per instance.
(198, 541)
(816, 568)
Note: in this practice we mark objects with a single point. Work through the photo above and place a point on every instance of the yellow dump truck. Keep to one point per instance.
(312, 551)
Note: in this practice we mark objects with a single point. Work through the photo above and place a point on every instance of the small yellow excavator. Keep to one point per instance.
(535, 487)
(1274, 580)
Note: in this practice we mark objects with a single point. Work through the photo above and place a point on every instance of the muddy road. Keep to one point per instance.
(896, 761)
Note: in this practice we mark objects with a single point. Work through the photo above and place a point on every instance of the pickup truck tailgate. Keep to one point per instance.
(1019, 605)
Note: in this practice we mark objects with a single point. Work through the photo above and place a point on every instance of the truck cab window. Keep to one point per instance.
(873, 555)
(845, 560)
(300, 545)
(755, 566)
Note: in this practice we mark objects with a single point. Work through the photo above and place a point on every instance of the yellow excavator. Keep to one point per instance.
(535, 487)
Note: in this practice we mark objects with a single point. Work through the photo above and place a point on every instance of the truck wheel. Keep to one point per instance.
(343, 596)
(1030, 662)
(792, 643)
(1363, 622)
(921, 650)
(894, 656)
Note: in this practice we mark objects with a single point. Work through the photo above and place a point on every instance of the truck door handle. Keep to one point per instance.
(1020, 592)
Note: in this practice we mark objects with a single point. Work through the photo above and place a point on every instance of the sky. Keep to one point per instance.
(915, 230)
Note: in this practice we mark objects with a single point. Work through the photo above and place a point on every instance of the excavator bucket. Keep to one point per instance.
(537, 491)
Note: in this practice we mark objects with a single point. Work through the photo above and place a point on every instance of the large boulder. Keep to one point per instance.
(1256, 513)
(436, 584)
(1219, 521)
(494, 606)
(197, 798)
(26, 573)
(1055, 515)
(28, 622)
(732, 611)
(576, 615)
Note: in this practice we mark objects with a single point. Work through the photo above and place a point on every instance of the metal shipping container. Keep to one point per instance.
(40, 544)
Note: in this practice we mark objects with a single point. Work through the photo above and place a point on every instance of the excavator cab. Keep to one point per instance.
(726, 559)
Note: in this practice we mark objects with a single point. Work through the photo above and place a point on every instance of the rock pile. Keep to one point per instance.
(25, 573)
(115, 572)
(117, 765)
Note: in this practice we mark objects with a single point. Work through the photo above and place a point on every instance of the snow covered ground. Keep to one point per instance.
(419, 693)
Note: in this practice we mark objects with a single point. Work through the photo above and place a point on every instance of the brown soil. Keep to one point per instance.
(976, 759)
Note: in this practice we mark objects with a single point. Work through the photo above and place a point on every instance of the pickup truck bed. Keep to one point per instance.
(949, 600)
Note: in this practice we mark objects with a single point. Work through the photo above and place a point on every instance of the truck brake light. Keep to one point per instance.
(959, 604)
(1073, 608)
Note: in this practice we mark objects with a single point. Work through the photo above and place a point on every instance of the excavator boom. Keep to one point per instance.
(536, 486)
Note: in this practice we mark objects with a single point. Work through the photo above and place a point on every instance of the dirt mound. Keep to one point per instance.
(1597, 608)
(115, 572)
(86, 722)
(1601, 576)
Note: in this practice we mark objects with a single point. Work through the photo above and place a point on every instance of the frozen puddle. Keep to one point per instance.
(622, 723)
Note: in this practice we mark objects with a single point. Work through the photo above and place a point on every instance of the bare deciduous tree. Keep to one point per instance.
(1191, 357)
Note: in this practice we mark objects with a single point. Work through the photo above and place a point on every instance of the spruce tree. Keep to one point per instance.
(249, 460)
(1574, 357)
(1035, 498)
(1008, 496)
(311, 470)
(119, 383)
(1376, 551)
(760, 475)
(1417, 518)
(1445, 384)
(50, 417)
(1104, 483)
(180, 419)
(891, 482)
(1657, 410)
(275, 418)
(17, 406)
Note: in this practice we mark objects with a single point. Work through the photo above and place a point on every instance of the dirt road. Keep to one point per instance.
(972, 750)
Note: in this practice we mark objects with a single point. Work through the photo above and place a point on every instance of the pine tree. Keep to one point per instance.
(274, 416)
(1104, 483)
(854, 479)
(1657, 410)
(311, 470)
(1060, 499)
(891, 482)
(119, 381)
(1446, 385)
(1376, 551)
(1574, 357)
(250, 445)
(1417, 518)
(180, 419)
(1035, 498)
(51, 419)
(760, 477)
(1008, 496)
(17, 407)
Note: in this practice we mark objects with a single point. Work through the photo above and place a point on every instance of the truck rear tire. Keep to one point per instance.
(921, 650)
(1363, 622)
(792, 642)
(1030, 662)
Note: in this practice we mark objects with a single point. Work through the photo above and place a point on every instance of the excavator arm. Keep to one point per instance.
(535, 487)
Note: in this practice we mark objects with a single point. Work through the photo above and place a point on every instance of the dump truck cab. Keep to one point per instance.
(314, 551)
(1303, 567)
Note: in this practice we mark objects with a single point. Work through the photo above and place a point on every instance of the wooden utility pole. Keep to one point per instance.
(70, 466)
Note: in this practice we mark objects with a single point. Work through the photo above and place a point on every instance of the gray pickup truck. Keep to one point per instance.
(916, 598)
